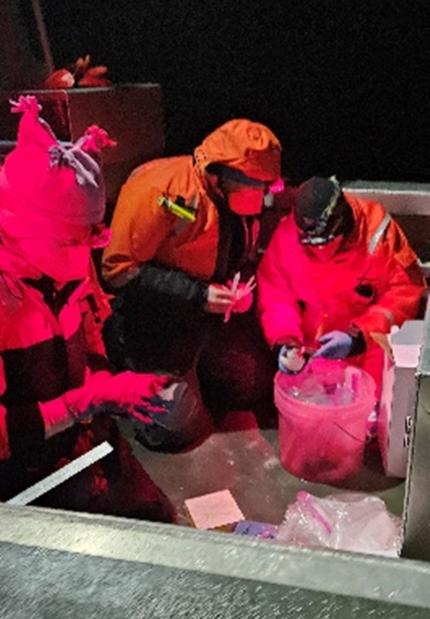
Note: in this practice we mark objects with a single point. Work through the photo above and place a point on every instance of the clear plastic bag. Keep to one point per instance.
(327, 383)
(349, 521)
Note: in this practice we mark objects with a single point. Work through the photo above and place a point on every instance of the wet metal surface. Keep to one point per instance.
(245, 460)
(56, 584)
(56, 564)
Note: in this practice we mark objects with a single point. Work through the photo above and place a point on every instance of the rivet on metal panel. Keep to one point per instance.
(408, 424)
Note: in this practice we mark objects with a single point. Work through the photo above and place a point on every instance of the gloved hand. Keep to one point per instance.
(291, 359)
(184, 417)
(335, 345)
(243, 296)
(102, 393)
(123, 390)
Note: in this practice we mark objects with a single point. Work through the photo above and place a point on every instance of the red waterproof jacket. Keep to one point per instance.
(49, 343)
(371, 283)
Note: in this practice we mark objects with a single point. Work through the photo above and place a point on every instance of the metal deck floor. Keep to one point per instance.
(244, 459)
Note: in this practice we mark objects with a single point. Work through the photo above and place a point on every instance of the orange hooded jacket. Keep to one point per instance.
(144, 230)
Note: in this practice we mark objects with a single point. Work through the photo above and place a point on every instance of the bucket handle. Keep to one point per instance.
(349, 433)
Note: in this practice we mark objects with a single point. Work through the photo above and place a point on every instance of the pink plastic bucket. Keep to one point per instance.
(323, 442)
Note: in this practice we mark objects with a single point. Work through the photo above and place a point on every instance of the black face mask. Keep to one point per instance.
(321, 233)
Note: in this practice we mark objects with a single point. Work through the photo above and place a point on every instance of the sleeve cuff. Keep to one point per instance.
(56, 416)
(358, 342)
(203, 293)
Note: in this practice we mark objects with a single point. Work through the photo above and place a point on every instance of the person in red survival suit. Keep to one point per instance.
(182, 227)
(56, 390)
(338, 271)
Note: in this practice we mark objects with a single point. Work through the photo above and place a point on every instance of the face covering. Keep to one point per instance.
(60, 252)
(62, 263)
(246, 201)
(327, 251)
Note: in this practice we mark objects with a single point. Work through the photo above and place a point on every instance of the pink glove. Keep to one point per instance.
(244, 299)
(244, 296)
(124, 389)
(102, 393)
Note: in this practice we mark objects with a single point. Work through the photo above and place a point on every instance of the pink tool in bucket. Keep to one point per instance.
(323, 413)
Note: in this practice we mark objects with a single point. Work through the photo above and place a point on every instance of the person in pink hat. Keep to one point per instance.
(57, 394)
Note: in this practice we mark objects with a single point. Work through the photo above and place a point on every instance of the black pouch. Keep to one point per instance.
(184, 421)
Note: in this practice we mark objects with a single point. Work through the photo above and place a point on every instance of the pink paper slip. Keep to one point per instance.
(217, 509)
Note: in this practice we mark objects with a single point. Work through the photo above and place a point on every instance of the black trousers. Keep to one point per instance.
(233, 365)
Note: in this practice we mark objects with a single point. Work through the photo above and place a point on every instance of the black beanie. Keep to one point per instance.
(316, 198)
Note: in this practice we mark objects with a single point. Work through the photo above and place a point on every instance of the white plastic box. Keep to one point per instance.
(399, 397)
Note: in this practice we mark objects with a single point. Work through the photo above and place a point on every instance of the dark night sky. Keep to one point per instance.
(344, 83)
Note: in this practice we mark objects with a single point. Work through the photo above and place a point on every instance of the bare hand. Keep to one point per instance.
(220, 299)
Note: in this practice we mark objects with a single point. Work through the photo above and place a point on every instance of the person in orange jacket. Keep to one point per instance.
(183, 226)
(338, 273)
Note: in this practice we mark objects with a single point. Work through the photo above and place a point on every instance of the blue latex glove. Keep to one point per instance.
(256, 529)
(335, 345)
